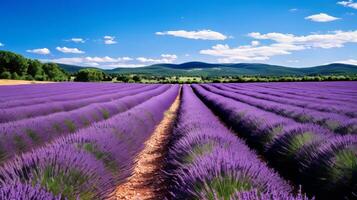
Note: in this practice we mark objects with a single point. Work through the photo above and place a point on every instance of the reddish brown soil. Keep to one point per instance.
(147, 181)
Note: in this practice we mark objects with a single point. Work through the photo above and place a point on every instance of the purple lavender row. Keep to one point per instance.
(329, 94)
(286, 93)
(24, 135)
(346, 87)
(8, 93)
(339, 88)
(322, 162)
(19, 191)
(24, 112)
(64, 95)
(283, 93)
(289, 91)
(339, 124)
(331, 121)
(349, 111)
(206, 161)
(92, 162)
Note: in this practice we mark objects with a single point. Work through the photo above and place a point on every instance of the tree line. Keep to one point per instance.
(15, 66)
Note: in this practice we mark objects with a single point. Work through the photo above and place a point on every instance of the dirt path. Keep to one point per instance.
(20, 82)
(147, 180)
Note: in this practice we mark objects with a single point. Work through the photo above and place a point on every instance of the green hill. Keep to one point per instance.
(215, 70)
(74, 68)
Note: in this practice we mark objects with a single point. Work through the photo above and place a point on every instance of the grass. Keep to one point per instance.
(197, 150)
(224, 187)
(70, 125)
(33, 135)
(345, 164)
(105, 113)
(99, 155)
(298, 141)
(67, 184)
(19, 143)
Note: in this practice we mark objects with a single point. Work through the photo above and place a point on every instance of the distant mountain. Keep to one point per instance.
(74, 68)
(209, 69)
(335, 68)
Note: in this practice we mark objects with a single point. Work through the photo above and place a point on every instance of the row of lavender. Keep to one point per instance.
(27, 134)
(33, 92)
(338, 119)
(24, 107)
(89, 163)
(308, 154)
(206, 160)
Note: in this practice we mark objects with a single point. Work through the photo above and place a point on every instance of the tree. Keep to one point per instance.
(89, 75)
(5, 75)
(34, 68)
(54, 73)
(136, 79)
(123, 78)
(13, 63)
(21, 68)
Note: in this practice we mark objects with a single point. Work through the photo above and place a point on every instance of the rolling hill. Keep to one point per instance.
(208, 69)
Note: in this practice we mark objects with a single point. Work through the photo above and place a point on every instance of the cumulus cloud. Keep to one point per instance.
(330, 40)
(69, 50)
(165, 58)
(196, 35)
(43, 51)
(349, 61)
(109, 40)
(95, 61)
(255, 43)
(249, 52)
(349, 4)
(283, 44)
(1, 44)
(112, 62)
(77, 40)
(322, 17)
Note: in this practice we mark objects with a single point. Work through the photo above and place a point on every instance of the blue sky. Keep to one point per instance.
(113, 33)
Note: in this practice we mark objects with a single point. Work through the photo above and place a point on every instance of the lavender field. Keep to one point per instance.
(247, 141)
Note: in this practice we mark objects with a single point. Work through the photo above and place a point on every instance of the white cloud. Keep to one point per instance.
(349, 4)
(103, 62)
(43, 51)
(330, 40)
(202, 34)
(69, 50)
(255, 43)
(109, 40)
(293, 10)
(1, 44)
(249, 53)
(111, 62)
(109, 37)
(350, 62)
(165, 58)
(293, 61)
(283, 44)
(77, 40)
(322, 17)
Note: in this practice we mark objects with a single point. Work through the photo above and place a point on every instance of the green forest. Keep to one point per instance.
(15, 66)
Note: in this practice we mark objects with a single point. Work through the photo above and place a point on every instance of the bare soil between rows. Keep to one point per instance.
(147, 181)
